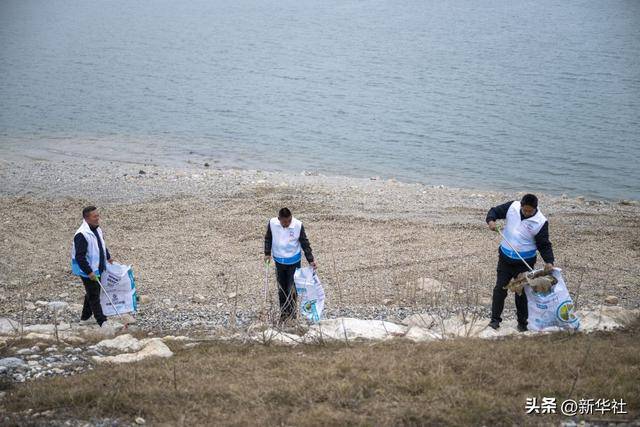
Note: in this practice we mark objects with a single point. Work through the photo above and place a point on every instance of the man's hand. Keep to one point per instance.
(492, 225)
(267, 259)
(548, 267)
(314, 264)
(93, 277)
(110, 260)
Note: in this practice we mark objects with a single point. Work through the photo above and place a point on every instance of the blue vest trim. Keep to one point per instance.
(288, 261)
(512, 254)
(75, 269)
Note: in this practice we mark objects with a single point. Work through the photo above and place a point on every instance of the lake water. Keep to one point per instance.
(512, 95)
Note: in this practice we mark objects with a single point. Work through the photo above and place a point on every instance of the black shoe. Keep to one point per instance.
(522, 327)
(494, 325)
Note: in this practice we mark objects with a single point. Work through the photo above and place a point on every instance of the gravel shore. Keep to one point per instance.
(385, 249)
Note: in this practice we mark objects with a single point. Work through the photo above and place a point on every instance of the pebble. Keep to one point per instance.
(11, 362)
(611, 300)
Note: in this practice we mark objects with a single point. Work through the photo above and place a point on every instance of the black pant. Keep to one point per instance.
(287, 290)
(507, 270)
(92, 301)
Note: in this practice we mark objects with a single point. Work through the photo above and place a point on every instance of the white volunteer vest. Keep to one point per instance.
(285, 243)
(93, 251)
(521, 233)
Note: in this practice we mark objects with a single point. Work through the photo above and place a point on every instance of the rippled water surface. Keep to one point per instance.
(527, 95)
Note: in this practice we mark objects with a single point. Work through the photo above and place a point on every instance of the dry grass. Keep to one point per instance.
(459, 382)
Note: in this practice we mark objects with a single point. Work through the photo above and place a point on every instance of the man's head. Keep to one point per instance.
(529, 205)
(91, 215)
(284, 216)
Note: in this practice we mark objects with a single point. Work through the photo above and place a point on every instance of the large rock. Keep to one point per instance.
(122, 343)
(508, 327)
(418, 334)
(273, 336)
(12, 362)
(425, 321)
(8, 326)
(458, 326)
(154, 348)
(621, 315)
(95, 332)
(606, 319)
(47, 328)
(346, 328)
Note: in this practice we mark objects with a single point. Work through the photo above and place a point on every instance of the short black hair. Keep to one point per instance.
(529, 200)
(284, 213)
(86, 211)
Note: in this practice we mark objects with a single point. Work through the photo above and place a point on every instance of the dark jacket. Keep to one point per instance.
(542, 238)
(81, 252)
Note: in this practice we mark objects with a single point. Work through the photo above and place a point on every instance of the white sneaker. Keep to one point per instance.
(89, 321)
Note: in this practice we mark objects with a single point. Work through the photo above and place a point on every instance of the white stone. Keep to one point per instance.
(178, 338)
(122, 342)
(425, 321)
(38, 336)
(48, 328)
(621, 315)
(41, 303)
(75, 307)
(346, 328)
(418, 334)
(8, 326)
(274, 336)
(596, 320)
(57, 305)
(459, 327)
(611, 300)
(154, 348)
(199, 298)
(12, 362)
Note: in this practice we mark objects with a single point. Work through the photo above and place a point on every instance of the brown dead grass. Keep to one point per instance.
(459, 382)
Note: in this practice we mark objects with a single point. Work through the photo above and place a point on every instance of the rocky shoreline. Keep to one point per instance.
(386, 249)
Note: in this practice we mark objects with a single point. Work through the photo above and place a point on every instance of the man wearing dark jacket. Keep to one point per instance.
(89, 257)
(527, 231)
(285, 239)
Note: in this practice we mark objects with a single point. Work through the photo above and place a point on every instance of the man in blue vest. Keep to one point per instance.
(527, 230)
(89, 257)
(285, 240)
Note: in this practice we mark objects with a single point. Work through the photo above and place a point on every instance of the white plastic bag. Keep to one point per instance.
(118, 281)
(310, 293)
(553, 309)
